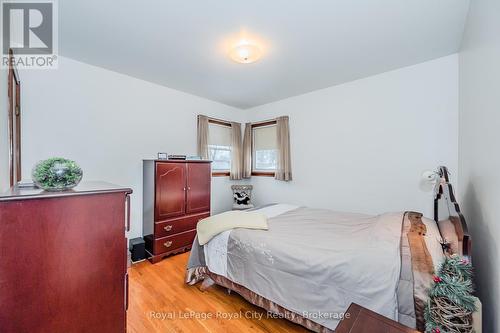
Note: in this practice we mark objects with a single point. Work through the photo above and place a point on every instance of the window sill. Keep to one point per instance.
(220, 174)
(262, 173)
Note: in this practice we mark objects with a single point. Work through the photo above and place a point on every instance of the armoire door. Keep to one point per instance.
(198, 187)
(170, 190)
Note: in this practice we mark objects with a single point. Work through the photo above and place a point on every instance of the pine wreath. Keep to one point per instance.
(451, 304)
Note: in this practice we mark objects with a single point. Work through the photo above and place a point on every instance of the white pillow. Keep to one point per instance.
(449, 233)
(214, 225)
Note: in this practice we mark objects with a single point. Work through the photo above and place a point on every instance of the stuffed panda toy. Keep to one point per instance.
(241, 198)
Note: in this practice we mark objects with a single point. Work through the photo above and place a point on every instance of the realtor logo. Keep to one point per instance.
(29, 29)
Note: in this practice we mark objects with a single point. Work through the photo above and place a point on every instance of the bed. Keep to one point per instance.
(312, 263)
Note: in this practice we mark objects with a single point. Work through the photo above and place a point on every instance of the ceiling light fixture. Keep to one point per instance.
(245, 52)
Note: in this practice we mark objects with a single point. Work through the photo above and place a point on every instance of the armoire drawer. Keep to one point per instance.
(178, 225)
(177, 241)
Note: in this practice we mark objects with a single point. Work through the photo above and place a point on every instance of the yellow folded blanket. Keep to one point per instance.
(214, 225)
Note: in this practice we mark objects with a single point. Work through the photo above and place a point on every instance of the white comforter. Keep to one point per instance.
(216, 249)
(353, 257)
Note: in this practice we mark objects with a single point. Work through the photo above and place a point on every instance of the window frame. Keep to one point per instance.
(220, 173)
(259, 172)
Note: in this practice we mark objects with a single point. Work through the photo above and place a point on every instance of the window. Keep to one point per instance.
(264, 149)
(219, 147)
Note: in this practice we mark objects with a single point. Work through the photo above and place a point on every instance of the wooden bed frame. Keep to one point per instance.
(446, 207)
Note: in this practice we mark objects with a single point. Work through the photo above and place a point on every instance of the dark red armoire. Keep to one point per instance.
(63, 265)
(176, 195)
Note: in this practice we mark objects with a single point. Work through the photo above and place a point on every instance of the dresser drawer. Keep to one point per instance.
(167, 244)
(178, 225)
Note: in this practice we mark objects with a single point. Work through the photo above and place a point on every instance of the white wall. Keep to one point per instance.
(4, 138)
(479, 153)
(362, 146)
(109, 122)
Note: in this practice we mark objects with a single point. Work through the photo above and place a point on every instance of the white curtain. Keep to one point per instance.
(203, 137)
(284, 167)
(236, 152)
(247, 151)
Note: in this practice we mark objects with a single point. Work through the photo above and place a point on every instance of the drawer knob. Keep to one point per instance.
(167, 244)
(168, 228)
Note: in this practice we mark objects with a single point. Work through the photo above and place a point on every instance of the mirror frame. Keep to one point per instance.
(14, 121)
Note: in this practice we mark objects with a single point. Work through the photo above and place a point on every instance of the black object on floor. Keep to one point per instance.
(138, 249)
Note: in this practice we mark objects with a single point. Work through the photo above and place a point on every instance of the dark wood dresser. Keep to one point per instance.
(63, 259)
(358, 319)
(176, 195)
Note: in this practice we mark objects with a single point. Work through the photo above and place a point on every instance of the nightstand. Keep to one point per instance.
(357, 319)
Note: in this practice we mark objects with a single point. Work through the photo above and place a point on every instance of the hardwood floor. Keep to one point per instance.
(160, 301)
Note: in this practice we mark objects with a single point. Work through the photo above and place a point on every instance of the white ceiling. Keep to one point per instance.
(308, 44)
